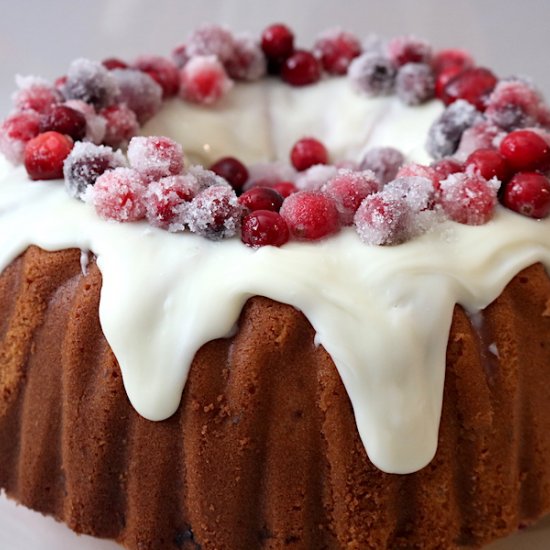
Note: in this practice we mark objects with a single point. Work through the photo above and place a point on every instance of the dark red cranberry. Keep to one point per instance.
(336, 50)
(490, 164)
(64, 120)
(525, 150)
(301, 69)
(264, 227)
(261, 198)
(443, 78)
(277, 45)
(473, 85)
(163, 71)
(452, 58)
(308, 152)
(44, 155)
(112, 63)
(529, 194)
(231, 169)
(284, 188)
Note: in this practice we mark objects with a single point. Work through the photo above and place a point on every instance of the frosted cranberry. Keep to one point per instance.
(180, 55)
(385, 162)
(166, 198)
(35, 94)
(248, 60)
(489, 164)
(482, 135)
(95, 123)
(232, 170)
(277, 45)
(308, 152)
(452, 58)
(468, 198)
(44, 155)
(204, 80)
(473, 85)
(210, 40)
(348, 189)
(64, 120)
(261, 198)
(414, 83)
(373, 74)
(155, 156)
(414, 170)
(529, 194)
(284, 188)
(112, 63)
(301, 69)
(15, 132)
(263, 228)
(525, 150)
(91, 82)
(121, 125)
(310, 215)
(162, 71)
(408, 49)
(336, 49)
(445, 167)
(119, 195)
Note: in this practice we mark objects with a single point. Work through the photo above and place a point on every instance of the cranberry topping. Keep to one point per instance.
(204, 80)
(163, 71)
(261, 198)
(473, 85)
(121, 125)
(445, 167)
(408, 49)
(284, 188)
(112, 63)
(443, 78)
(308, 152)
(525, 151)
(35, 94)
(277, 45)
(155, 157)
(301, 69)
(232, 170)
(385, 162)
(64, 120)
(44, 155)
(310, 215)
(15, 132)
(336, 49)
(489, 164)
(373, 74)
(529, 194)
(264, 227)
(452, 58)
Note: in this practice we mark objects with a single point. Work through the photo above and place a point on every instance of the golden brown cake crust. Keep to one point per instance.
(263, 451)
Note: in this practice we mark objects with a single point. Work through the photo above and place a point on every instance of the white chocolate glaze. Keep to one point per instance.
(382, 313)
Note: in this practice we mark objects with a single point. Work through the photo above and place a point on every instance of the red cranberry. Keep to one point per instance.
(443, 78)
(490, 164)
(35, 95)
(452, 58)
(112, 63)
(301, 69)
(122, 125)
(473, 85)
(155, 157)
(64, 120)
(310, 215)
(525, 150)
(44, 155)
(445, 167)
(407, 49)
(277, 44)
(308, 152)
(261, 198)
(264, 227)
(15, 132)
(232, 170)
(284, 188)
(204, 80)
(163, 71)
(529, 194)
(336, 50)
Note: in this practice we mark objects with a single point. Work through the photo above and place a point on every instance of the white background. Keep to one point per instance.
(42, 37)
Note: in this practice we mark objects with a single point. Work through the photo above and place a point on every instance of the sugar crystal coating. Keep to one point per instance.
(383, 161)
(415, 83)
(373, 74)
(269, 173)
(210, 40)
(315, 177)
(206, 178)
(155, 157)
(35, 94)
(204, 80)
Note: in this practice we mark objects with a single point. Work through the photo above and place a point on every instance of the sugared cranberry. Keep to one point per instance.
(232, 170)
(95, 123)
(442, 79)
(490, 164)
(264, 227)
(15, 132)
(248, 60)
(408, 49)
(373, 74)
(180, 56)
(468, 198)
(64, 120)
(414, 170)
(277, 45)
(310, 215)
(336, 49)
(204, 80)
(452, 58)
(211, 40)
(44, 155)
(121, 125)
(261, 198)
(112, 63)
(482, 135)
(414, 83)
(445, 167)
(473, 85)
(301, 69)
(529, 194)
(155, 156)
(307, 152)
(284, 188)
(163, 71)
(119, 195)
(525, 151)
(35, 94)
(384, 162)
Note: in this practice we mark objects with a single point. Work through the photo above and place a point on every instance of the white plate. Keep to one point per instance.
(22, 529)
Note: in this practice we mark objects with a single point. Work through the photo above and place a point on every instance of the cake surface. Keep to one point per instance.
(169, 385)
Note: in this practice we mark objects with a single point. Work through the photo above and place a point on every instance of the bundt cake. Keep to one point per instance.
(229, 350)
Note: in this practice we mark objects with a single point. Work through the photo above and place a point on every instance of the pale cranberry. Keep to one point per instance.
(64, 120)
(301, 69)
(529, 194)
(489, 164)
(264, 227)
(261, 198)
(204, 80)
(232, 170)
(44, 155)
(121, 125)
(525, 150)
(472, 85)
(308, 152)
(15, 132)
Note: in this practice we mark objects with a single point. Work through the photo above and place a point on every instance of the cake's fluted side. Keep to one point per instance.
(263, 452)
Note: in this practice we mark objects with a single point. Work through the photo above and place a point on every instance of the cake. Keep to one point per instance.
(228, 350)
